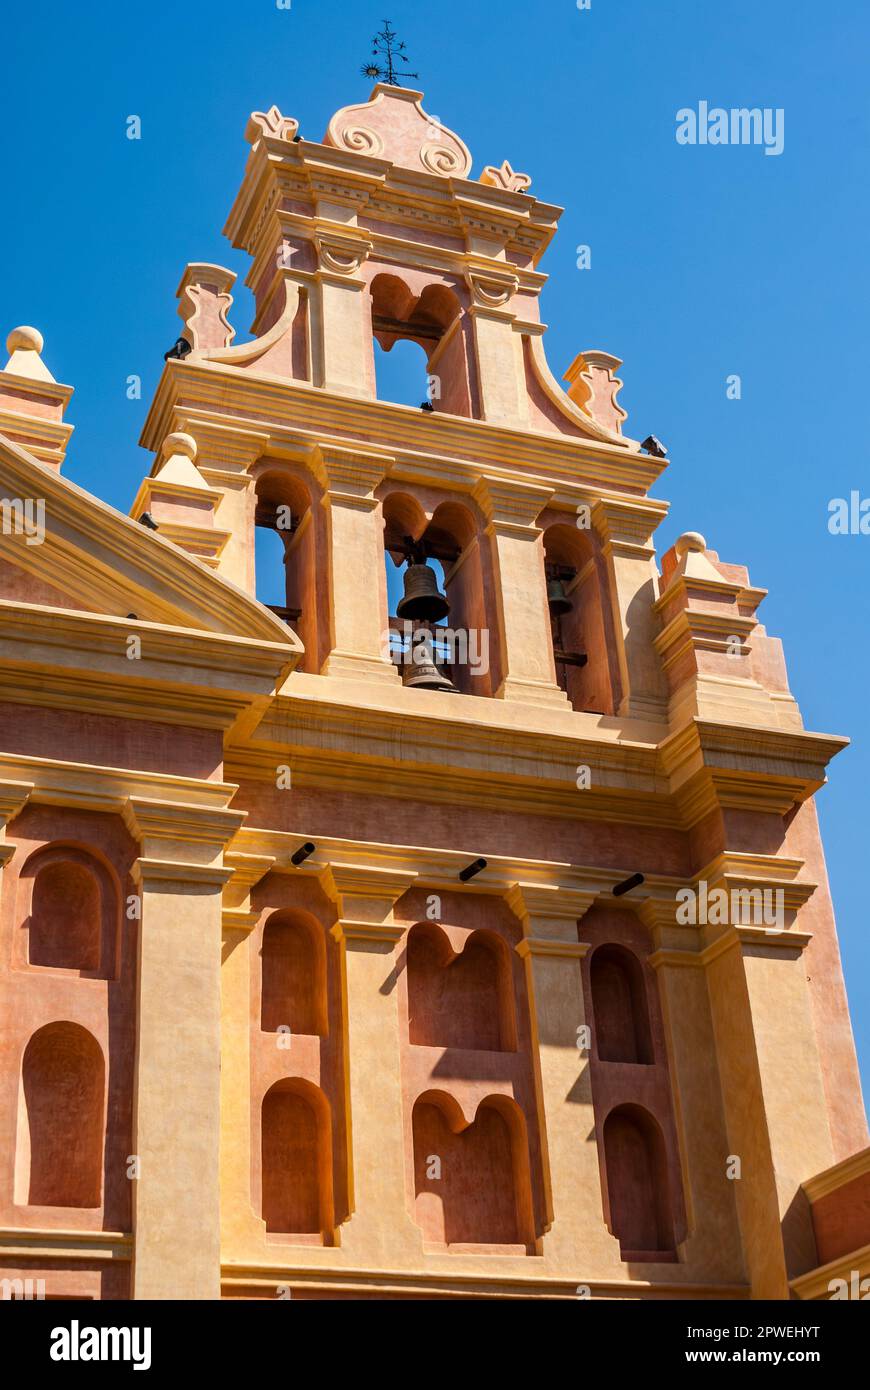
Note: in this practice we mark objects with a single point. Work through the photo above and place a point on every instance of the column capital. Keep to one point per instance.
(352, 931)
(186, 831)
(350, 475)
(537, 904)
(509, 504)
(161, 873)
(246, 870)
(545, 946)
(14, 796)
(365, 897)
(626, 526)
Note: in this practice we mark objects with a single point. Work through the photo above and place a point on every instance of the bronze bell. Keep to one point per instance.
(422, 598)
(558, 601)
(419, 671)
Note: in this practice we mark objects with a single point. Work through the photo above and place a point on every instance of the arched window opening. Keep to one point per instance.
(402, 373)
(637, 1185)
(285, 558)
(297, 1161)
(471, 1181)
(463, 1000)
(293, 986)
(435, 375)
(65, 917)
(619, 1002)
(440, 635)
(59, 1152)
(580, 623)
(269, 557)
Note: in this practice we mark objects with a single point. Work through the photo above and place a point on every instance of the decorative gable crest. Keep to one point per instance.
(392, 125)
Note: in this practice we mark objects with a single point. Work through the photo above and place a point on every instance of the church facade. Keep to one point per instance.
(482, 948)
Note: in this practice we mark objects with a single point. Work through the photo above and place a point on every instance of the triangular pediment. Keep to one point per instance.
(78, 552)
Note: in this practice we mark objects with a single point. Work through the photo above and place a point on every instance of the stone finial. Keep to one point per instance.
(24, 346)
(594, 386)
(179, 443)
(204, 302)
(392, 125)
(180, 501)
(32, 403)
(506, 177)
(690, 541)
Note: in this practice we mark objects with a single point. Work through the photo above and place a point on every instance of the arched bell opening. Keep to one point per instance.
(580, 621)
(462, 1000)
(440, 636)
(638, 1187)
(472, 1181)
(436, 378)
(287, 546)
(621, 1019)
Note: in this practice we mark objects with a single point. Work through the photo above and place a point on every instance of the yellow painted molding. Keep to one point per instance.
(815, 1284)
(465, 1284)
(175, 874)
(294, 413)
(838, 1175)
(543, 946)
(352, 931)
(100, 788)
(31, 1242)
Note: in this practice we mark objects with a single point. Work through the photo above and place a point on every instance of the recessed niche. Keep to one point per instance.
(296, 1160)
(293, 975)
(462, 1000)
(65, 917)
(471, 1181)
(637, 1184)
(619, 1004)
(59, 1150)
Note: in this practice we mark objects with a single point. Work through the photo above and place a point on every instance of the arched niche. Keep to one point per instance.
(584, 641)
(59, 1148)
(471, 1181)
(638, 1187)
(432, 319)
(293, 974)
(68, 904)
(448, 538)
(622, 1031)
(296, 1156)
(462, 1000)
(289, 559)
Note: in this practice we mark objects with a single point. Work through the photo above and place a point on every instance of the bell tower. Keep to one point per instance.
(379, 234)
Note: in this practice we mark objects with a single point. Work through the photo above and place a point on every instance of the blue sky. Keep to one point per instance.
(705, 261)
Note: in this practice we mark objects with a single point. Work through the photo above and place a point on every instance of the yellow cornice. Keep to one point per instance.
(513, 1282)
(91, 787)
(381, 190)
(493, 754)
(816, 1283)
(838, 1175)
(710, 765)
(41, 1243)
(298, 416)
(363, 868)
(64, 658)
